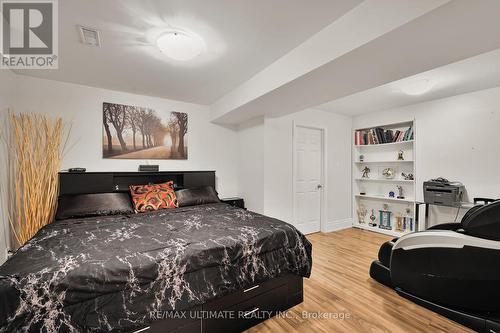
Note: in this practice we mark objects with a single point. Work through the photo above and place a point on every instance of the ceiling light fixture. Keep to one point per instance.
(180, 45)
(417, 87)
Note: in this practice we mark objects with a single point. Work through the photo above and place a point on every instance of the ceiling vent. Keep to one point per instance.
(90, 36)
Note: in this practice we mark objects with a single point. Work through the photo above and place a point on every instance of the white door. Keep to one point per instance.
(308, 174)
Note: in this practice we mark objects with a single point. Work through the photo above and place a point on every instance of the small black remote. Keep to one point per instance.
(77, 170)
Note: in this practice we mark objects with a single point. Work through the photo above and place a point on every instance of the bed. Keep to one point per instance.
(203, 268)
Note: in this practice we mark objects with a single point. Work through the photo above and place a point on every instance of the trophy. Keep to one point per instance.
(372, 219)
(400, 192)
(408, 220)
(400, 224)
(385, 218)
(362, 211)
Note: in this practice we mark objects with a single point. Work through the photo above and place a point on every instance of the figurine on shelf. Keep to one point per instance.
(372, 219)
(366, 172)
(400, 156)
(392, 194)
(361, 158)
(400, 191)
(362, 211)
(407, 176)
(388, 173)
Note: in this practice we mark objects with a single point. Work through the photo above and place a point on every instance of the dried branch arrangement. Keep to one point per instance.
(35, 154)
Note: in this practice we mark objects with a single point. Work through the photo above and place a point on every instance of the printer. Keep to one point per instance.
(441, 191)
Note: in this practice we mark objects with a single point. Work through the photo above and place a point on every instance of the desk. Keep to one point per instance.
(463, 205)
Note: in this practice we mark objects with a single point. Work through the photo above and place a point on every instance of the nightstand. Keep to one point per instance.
(236, 202)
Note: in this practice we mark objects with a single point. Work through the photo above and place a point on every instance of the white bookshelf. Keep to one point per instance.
(393, 144)
(376, 197)
(376, 188)
(383, 162)
(385, 180)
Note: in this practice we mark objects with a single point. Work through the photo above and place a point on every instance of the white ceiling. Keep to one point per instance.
(242, 38)
(434, 35)
(473, 74)
(269, 58)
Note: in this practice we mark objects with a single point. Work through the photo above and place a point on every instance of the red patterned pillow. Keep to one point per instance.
(153, 197)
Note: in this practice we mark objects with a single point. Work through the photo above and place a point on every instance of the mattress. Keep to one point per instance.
(110, 273)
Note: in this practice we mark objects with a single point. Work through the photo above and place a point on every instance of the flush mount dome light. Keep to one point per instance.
(417, 87)
(180, 45)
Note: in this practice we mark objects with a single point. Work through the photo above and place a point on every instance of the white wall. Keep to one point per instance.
(254, 162)
(251, 164)
(7, 102)
(210, 146)
(457, 138)
(278, 169)
(266, 174)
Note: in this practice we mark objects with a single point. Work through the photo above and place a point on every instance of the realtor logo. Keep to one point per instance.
(29, 34)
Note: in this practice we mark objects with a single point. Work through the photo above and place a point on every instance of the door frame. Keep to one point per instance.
(324, 190)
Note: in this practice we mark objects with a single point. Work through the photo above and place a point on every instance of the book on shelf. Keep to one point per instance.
(378, 135)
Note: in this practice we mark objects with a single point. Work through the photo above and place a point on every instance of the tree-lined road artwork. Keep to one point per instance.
(155, 153)
(131, 132)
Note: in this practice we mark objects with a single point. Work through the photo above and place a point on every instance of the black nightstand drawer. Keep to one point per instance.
(236, 202)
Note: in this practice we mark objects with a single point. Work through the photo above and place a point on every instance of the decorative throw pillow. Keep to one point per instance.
(97, 204)
(153, 197)
(196, 196)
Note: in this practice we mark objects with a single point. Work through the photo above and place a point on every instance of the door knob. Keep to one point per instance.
(320, 186)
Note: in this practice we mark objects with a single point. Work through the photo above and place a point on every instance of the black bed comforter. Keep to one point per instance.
(109, 273)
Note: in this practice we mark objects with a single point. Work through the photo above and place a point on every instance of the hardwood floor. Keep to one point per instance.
(340, 285)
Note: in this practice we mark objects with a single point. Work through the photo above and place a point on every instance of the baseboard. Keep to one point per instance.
(337, 225)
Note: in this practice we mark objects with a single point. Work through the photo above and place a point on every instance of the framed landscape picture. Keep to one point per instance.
(132, 132)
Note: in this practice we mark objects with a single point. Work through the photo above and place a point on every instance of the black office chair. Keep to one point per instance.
(452, 268)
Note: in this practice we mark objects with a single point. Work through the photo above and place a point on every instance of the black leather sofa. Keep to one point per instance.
(452, 269)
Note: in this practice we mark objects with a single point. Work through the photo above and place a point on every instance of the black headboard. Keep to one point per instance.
(105, 182)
